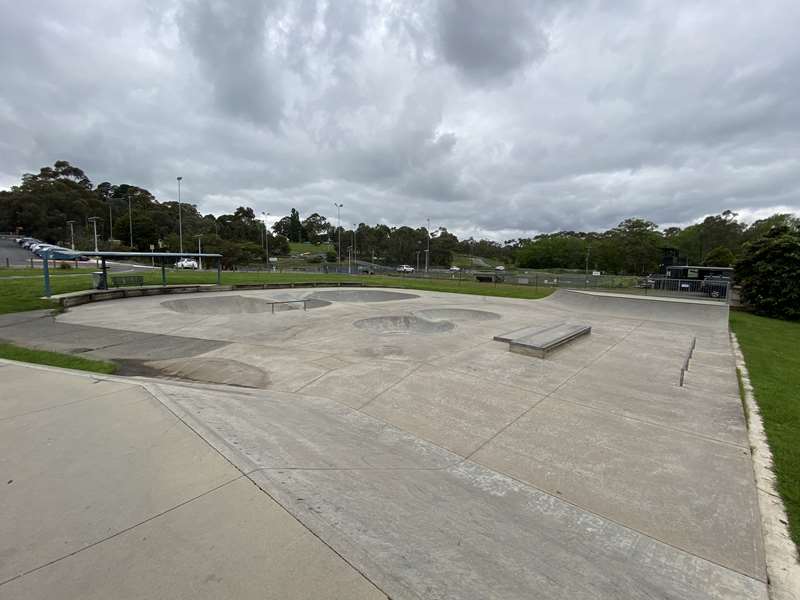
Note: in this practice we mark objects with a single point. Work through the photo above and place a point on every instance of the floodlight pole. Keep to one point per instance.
(110, 225)
(71, 233)
(428, 250)
(266, 238)
(199, 237)
(339, 227)
(180, 219)
(93, 221)
(355, 251)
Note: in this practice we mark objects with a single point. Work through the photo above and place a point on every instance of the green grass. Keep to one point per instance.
(37, 272)
(300, 247)
(18, 295)
(771, 350)
(66, 361)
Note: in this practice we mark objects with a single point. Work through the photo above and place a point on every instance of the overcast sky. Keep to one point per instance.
(492, 118)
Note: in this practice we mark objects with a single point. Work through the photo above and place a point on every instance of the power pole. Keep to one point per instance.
(93, 221)
(71, 233)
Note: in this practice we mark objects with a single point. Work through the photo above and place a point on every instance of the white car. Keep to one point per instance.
(405, 269)
(455, 269)
(186, 263)
(499, 268)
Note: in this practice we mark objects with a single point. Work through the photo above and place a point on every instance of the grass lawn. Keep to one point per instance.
(37, 272)
(771, 350)
(24, 294)
(300, 247)
(66, 361)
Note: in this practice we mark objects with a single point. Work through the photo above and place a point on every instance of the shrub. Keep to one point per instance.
(769, 274)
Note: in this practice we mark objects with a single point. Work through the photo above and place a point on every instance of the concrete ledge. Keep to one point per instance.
(541, 342)
(87, 296)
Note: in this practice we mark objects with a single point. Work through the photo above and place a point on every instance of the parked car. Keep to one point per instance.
(405, 269)
(186, 263)
(715, 286)
(455, 269)
(499, 268)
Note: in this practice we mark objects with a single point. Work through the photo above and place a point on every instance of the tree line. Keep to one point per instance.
(43, 203)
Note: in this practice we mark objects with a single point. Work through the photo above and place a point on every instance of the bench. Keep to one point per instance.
(122, 280)
(540, 341)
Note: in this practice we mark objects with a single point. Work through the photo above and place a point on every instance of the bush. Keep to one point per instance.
(769, 274)
(64, 265)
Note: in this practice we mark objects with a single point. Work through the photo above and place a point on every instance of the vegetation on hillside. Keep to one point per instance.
(43, 204)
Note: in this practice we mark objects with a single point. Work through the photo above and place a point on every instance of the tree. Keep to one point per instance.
(719, 257)
(295, 226)
(316, 228)
(769, 274)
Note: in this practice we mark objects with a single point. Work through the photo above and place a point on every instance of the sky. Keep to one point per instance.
(497, 119)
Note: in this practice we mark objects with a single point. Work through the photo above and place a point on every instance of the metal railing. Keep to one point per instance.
(686, 360)
(710, 289)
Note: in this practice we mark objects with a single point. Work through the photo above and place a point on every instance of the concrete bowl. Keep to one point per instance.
(407, 324)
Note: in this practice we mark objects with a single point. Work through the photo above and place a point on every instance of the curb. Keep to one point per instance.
(783, 568)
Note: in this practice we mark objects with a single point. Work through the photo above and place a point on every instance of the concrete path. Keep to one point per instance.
(106, 494)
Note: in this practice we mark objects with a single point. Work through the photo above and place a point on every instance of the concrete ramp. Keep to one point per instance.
(706, 313)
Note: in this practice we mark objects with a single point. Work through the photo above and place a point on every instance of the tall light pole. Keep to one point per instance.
(130, 219)
(110, 224)
(71, 233)
(199, 237)
(180, 220)
(428, 250)
(355, 251)
(339, 227)
(93, 221)
(266, 238)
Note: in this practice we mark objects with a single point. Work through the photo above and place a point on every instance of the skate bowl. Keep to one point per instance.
(403, 324)
(236, 305)
(361, 295)
(684, 311)
(457, 314)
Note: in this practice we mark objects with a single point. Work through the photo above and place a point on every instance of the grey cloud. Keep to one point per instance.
(492, 117)
(229, 41)
(487, 41)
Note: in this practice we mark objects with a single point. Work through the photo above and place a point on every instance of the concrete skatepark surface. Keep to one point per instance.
(445, 466)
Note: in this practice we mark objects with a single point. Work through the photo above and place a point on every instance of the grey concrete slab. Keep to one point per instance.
(24, 390)
(714, 416)
(424, 524)
(493, 363)
(698, 496)
(234, 542)
(80, 472)
(278, 430)
(470, 533)
(357, 384)
(436, 405)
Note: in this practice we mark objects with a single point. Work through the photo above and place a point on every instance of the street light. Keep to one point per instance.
(71, 233)
(110, 225)
(93, 221)
(339, 227)
(428, 250)
(199, 237)
(180, 220)
(355, 251)
(266, 238)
